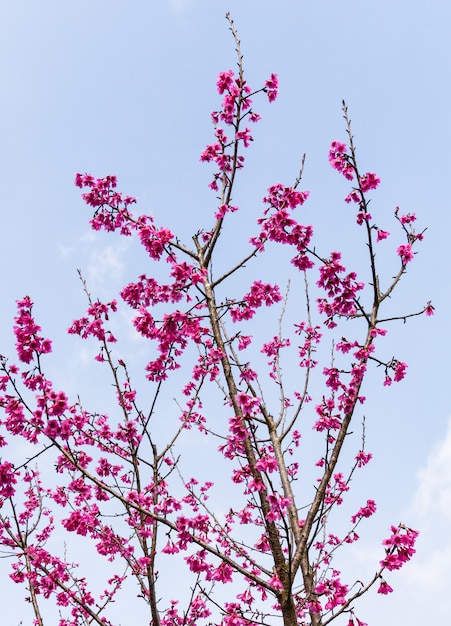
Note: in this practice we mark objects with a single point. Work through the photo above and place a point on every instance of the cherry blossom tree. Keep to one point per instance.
(251, 540)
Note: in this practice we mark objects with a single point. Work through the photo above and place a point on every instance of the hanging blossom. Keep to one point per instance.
(367, 182)
(272, 87)
(399, 547)
(7, 479)
(236, 99)
(405, 252)
(260, 293)
(111, 206)
(339, 160)
(364, 511)
(341, 291)
(279, 226)
(93, 324)
(29, 343)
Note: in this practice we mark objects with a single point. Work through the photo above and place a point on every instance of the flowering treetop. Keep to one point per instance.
(269, 554)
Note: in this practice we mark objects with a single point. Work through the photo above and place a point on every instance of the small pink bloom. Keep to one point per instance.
(400, 371)
(384, 588)
(382, 234)
(405, 252)
(354, 196)
(369, 181)
(225, 81)
(274, 581)
(339, 159)
(244, 341)
(365, 511)
(363, 458)
(407, 219)
(272, 87)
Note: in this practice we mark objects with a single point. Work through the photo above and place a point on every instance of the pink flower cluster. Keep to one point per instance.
(341, 291)
(272, 87)
(236, 106)
(334, 591)
(259, 294)
(111, 207)
(272, 349)
(364, 511)
(312, 338)
(399, 547)
(278, 226)
(399, 368)
(29, 344)
(344, 162)
(405, 252)
(93, 324)
(340, 160)
(7, 479)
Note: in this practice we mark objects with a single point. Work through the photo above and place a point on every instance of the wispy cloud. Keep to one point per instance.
(103, 265)
(421, 587)
(432, 499)
(431, 569)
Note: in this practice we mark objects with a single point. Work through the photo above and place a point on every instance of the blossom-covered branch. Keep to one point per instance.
(130, 481)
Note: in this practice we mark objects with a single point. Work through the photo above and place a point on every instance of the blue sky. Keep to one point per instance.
(108, 86)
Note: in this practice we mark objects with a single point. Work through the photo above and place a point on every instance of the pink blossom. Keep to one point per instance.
(222, 573)
(272, 87)
(384, 588)
(407, 219)
(382, 234)
(263, 544)
(274, 581)
(334, 590)
(170, 548)
(399, 547)
(400, 370)
(369, 181)
(339, 160)
(281, 197)
(225, 81)
(244, 341)
(29, 344)
(259, 294)
(365, 511)
(405, 252)
(362, 217)
(7, 479)
(244, 136)
(223, 209)
(250, 405)
(246, 597)
(353, 196)
(363, 458)
(267, 464)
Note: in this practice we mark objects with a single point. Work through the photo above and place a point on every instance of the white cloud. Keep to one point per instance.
(430, 570)
(421, 586)
(105, 264)
(432, 499)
